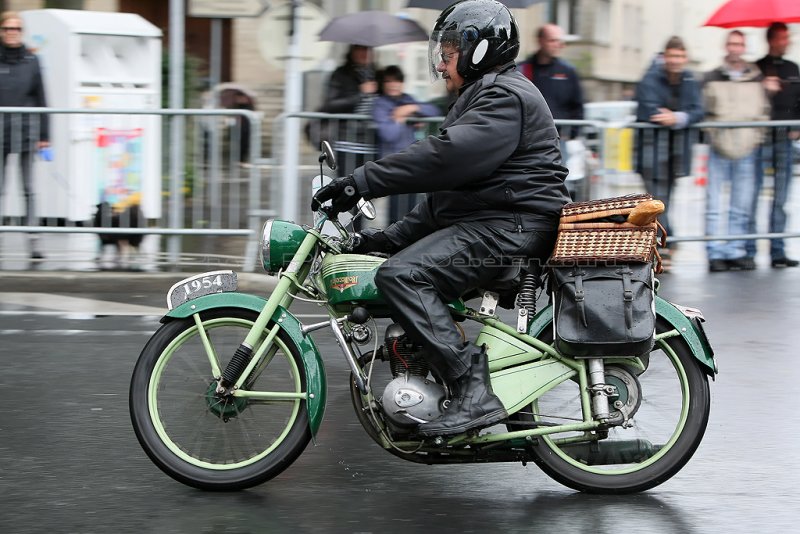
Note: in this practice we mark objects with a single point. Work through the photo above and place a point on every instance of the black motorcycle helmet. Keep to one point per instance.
(484, 32)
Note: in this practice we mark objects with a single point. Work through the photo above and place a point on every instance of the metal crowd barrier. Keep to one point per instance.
(689, 161)
(214, 189)
(604, 160)
(198, 187)
(355, 141)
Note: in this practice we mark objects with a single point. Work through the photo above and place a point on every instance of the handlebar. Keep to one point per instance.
(350, 191)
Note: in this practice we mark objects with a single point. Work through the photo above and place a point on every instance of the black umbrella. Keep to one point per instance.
(441, 4)
(372, 28)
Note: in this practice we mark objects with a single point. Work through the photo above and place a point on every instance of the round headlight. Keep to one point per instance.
(264, 244)
(279, 243)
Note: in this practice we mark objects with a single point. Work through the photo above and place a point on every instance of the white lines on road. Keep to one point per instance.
(73, 332)
(81, 308)
(67, 304)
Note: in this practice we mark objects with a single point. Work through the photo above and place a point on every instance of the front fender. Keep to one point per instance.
(312, 360)
(689, 329)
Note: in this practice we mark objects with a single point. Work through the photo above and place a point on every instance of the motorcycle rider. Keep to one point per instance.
(495, 187)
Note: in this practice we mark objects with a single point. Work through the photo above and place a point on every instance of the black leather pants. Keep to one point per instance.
(418, 281)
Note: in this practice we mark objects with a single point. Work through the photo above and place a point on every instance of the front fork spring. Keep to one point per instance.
(234, 369)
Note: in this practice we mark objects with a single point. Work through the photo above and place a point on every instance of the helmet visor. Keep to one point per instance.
(443, 49)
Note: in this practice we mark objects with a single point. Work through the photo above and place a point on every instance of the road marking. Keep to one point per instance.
(73, 332)
(80, 305)
(68, 307)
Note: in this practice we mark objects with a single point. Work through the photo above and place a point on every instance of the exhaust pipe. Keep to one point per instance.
(612, 452)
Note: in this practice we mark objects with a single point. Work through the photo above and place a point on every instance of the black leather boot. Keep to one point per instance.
(473, 404)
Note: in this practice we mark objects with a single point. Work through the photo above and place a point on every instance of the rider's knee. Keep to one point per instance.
(390, 275)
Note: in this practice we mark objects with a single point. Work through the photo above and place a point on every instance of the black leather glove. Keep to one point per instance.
(342, 191)
(372, 240)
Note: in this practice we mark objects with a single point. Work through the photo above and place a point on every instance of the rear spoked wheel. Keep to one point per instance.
(667, 405)
(211, 441)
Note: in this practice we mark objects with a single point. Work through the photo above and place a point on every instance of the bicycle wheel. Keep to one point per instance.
(212, 442)
(667, 407)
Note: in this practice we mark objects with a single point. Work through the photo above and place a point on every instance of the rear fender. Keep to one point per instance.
(312, 360)
(687, 321)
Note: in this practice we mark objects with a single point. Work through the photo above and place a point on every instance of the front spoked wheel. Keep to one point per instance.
(210, 441)
(667, 408)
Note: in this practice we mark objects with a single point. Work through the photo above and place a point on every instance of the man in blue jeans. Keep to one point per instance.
(668, 96)
(732, 92)
(782, 82)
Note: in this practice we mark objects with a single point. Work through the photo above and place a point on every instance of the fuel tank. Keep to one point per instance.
(349, 280)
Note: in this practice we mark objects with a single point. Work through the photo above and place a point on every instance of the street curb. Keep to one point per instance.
(115, 282)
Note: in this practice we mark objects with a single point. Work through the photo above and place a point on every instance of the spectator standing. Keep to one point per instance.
(668, 96)
(782, 82)
(243, 101)
(352, 89)
(556, 79)
(560, 86)
(21, 86)
(732, 92)
(391, 112)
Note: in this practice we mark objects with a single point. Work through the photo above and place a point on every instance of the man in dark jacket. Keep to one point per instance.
(495, 188)
(782, 82)
(669, 96)
(556, 79)
(21, 86)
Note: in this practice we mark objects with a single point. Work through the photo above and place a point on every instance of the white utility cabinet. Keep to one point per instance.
(105, 61)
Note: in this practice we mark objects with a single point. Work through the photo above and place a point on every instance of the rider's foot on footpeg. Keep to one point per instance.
(474, 404)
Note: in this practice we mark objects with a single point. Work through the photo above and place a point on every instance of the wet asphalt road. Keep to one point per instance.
(69, 461)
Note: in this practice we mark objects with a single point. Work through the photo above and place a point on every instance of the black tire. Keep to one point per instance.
(571, 471)
(198, 446)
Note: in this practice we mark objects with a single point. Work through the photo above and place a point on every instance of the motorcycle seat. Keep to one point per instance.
(508, 282)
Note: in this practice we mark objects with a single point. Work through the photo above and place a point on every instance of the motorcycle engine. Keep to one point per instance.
(410, 398)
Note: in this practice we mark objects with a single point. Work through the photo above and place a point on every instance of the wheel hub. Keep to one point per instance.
(629, 396)
(223, 406)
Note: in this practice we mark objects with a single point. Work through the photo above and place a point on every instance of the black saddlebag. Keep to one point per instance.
(604, 310)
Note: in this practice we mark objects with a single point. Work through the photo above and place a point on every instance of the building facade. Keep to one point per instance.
(611, 42)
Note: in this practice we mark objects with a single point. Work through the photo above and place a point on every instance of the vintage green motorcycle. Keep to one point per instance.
(231, 389)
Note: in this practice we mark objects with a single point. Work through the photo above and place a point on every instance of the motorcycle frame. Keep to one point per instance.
(292, 279)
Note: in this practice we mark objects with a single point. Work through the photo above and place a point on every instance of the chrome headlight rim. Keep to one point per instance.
(266, 233)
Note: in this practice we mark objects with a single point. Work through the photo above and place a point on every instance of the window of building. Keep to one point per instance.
(632, 24)
(565, 14)
(63, 4)
(602, 22)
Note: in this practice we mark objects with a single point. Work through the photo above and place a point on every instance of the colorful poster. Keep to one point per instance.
(119, 165)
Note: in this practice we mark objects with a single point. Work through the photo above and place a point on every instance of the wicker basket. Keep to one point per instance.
(604, 207)
(584, 238)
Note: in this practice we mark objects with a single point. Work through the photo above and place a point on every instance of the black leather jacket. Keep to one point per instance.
(497, 159)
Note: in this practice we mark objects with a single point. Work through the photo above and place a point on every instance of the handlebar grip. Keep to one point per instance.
(357, 241)
(350, 191)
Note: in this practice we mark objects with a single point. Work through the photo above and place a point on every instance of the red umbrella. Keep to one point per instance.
(757, 13)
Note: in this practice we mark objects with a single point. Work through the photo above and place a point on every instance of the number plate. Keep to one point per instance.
(200, 285)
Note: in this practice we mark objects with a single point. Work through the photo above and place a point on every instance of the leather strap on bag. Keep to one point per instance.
(627, 296)
(580, 297)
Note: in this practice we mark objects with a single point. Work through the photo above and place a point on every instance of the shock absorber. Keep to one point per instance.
(526, 301)
(599, 390)
(234, 369)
